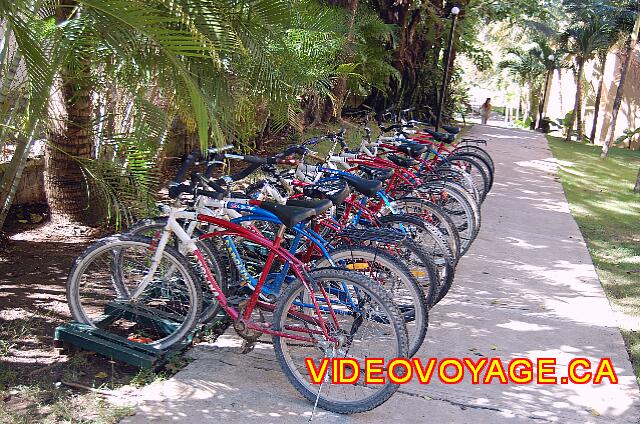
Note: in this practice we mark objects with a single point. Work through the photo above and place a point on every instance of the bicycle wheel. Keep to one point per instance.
(463, 148)
(458, 205)
(366, 324)
(396, 278)
(430, 239)
(422, 267)
(480, 160)
(446, 173)
(433, 214)
(215, 262)
(164, 312)
(472, 168)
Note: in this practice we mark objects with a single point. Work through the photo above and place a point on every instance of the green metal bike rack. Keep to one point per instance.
(119, 348)
(114, 347)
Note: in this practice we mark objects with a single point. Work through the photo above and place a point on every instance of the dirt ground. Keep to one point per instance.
(33, 375)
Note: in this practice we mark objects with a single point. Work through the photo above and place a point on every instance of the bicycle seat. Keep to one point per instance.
(400, 161)
(367, 187)
(288, 215)
(318, 205)
(335, 191)
(412, 149)
(451, 130)
(439, 136)
(375, 173)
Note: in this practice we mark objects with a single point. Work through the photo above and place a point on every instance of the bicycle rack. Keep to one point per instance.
(118, 348)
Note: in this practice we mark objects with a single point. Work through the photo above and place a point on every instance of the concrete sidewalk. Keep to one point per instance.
(527, 288)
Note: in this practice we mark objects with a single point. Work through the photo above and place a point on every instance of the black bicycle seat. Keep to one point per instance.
(335, 191)
(439, 136)
(374, 173)
(288, 215)
(367, 187)
(451, 130)
(318, 205)
(400, 161)
(412, 149)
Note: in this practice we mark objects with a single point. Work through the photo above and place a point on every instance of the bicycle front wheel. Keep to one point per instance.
(365, 322)
(163, 313)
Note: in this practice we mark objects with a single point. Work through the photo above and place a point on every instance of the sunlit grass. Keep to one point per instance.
(601, 198)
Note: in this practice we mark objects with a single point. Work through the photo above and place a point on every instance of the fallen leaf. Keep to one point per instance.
(594, 412)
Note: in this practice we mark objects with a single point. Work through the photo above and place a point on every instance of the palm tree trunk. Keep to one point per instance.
(577, 107)
(69, 140)
(636, 188)
(596, 108)
(333, 107)
(630, 47)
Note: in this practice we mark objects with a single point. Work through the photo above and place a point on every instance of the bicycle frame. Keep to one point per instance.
(275, 251)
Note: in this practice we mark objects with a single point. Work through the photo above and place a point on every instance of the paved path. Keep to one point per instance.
(526, 288)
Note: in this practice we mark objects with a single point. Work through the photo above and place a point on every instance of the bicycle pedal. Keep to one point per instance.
(247, 347)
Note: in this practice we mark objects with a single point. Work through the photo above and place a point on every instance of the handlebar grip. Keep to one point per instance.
(186, 165)
(176, 189)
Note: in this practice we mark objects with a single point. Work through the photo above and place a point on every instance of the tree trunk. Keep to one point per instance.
(534, 99)
(333, 107)
(577, 107)
(630, 47)
(70, 140)
(596, 108)
(636, 188)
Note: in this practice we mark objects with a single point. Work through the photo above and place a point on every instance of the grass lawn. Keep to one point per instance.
(608, 212)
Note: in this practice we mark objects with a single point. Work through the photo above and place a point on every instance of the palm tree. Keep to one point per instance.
(630, 45)
(203, 60)
(529, 67)
(582, 41)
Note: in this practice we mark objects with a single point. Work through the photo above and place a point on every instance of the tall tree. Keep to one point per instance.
(333, 104)
(629, 48)
(69, 133)
(602, 61)
(582, 40)
(529, 67)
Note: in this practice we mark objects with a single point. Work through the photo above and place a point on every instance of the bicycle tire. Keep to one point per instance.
(211, 308)
(177, 262)
(439, 251)
(414, 309)
(437, 217)
(396, 334)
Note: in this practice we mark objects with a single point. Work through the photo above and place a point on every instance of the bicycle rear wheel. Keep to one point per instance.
(215, 261)
(430, 239)
(367, 325)
(432, 214)
(396, 278)
(161, 316)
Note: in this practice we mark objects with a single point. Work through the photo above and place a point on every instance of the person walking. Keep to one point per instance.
(485, 111)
